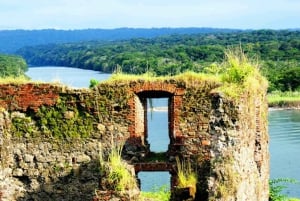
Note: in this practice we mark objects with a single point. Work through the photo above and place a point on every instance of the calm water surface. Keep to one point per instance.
(284, 129)
(73, 77)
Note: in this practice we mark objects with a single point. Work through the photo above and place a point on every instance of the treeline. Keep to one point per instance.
(278, 51)
(12, 66)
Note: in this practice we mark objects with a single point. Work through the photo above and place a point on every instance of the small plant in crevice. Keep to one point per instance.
(93, 83)
(276, 188)
(187, 177)
(115, 172)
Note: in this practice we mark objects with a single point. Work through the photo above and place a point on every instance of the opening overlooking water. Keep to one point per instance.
(158, 124)
(152, 181)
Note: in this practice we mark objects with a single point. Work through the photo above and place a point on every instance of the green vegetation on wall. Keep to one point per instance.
(64, 120)
(23, 126)
(276, 188)
(228, 178)
(240, 75)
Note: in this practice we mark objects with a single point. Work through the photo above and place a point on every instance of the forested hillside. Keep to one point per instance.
(12, 66)
(11, 40)
(278, 52)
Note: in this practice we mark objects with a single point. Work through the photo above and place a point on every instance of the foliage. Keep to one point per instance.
(12, 66)
(282, 75)
(290, 79)
(118, 174)
(157, 194)
(64, 120)
(239, 74)
(237, 67)
(276, 189)
(93, 83)
(187, 177)
(22, 126)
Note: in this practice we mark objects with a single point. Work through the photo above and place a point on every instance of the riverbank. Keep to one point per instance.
(284, 100)
(284, 105)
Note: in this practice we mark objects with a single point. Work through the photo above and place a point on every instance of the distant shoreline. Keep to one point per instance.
(283, 108)
(270, 108)
(165, 109)
(284, 105)
(159, 109)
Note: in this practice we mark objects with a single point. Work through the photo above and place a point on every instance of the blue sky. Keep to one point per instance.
(80, 14)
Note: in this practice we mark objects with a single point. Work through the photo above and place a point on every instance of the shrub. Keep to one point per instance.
(187, 177)
(276, 188)
(119, 177)
(93, 83)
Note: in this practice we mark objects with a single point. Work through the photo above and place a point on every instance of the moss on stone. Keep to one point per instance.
(65, 120)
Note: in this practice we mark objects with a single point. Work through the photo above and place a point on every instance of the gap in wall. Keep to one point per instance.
(152, 181)
(158, 124)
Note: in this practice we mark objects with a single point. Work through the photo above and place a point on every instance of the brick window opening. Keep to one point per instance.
(153, 116)
(158, 124)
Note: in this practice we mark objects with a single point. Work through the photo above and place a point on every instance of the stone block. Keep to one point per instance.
(82, 158)
(17, 172)
(28, 158)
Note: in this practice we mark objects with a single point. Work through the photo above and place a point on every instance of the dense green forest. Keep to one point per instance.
(12, 66)
(277, 51)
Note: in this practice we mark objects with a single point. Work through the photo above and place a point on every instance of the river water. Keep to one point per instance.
(73, 77)
(284, 129)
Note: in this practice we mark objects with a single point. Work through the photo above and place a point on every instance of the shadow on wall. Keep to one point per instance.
(74, 182)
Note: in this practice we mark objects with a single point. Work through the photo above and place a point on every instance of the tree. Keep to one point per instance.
(290, 79)
(12, 66)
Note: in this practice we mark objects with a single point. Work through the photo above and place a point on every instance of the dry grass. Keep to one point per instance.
(15, 80)
(119, 176)
(187, 177)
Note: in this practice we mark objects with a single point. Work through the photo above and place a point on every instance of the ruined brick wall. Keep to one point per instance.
(50, 138)
(28, 96)
(240, 169)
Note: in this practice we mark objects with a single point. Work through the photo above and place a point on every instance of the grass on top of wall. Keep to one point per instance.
(241, 74)
(15, 80)
(235, 75)
(188, 76)
(25, 80)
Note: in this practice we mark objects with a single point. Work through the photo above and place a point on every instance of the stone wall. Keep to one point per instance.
(50, 138)
(239, 149)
